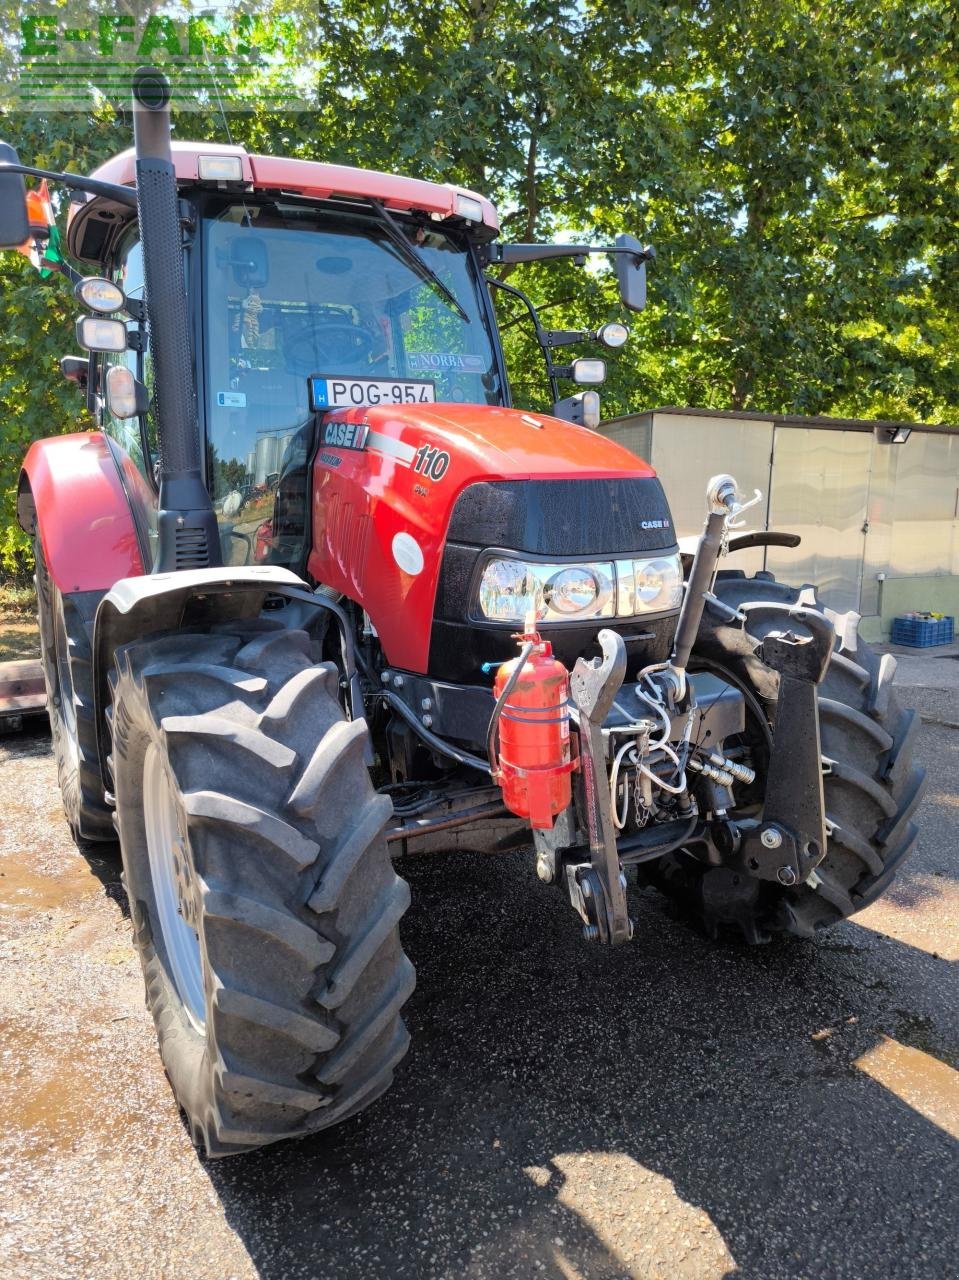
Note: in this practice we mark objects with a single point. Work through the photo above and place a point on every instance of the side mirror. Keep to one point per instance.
(14, 223)
(76, 369)
(631, 272)
(249, 261)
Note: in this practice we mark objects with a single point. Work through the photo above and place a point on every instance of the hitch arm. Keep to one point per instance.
(598, 891)
(791, 838)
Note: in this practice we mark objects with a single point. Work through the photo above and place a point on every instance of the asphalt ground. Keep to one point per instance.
(676, 1108)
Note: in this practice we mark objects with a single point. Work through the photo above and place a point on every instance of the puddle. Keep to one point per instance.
(23, 890)
(56, 1091)
(923, 1082)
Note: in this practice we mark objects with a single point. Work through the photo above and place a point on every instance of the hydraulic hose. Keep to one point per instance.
(508, 688)
(437, 744)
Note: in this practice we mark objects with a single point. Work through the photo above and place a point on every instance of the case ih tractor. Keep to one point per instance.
(315, 595)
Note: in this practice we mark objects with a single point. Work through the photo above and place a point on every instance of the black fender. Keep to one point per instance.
(135, 608)
(742, 542)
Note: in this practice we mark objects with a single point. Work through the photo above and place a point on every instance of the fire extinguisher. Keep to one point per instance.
(532, 760)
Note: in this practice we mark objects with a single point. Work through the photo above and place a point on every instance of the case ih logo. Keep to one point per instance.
(68, 58)
(346, 435)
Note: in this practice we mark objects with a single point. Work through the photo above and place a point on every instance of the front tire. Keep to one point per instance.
(872, 784)
(265, 906)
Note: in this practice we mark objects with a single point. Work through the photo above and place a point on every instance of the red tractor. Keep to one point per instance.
(315, 595)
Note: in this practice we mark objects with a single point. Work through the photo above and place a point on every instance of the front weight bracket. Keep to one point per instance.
(790, 838)
(593, 688)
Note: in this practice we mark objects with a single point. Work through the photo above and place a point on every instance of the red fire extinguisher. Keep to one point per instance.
(532, 762)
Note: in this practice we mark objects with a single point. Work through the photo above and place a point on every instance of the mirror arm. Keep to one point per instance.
(514, 253)
(566, 337)
(75, 182)
(541, 334)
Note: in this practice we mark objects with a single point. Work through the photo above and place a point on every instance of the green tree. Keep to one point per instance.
(795, 165)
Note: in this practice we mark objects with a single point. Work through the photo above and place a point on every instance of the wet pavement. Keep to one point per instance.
(675, 1109)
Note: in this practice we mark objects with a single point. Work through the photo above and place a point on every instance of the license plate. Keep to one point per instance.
(328, 392)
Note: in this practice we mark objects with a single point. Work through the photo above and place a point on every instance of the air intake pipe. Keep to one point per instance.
(188, 537)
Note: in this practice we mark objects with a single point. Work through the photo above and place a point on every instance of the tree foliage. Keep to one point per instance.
(794, 163)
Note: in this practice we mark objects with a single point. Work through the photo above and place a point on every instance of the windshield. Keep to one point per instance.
(294, 290)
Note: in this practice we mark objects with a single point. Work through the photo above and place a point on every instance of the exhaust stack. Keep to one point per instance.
(187, 528)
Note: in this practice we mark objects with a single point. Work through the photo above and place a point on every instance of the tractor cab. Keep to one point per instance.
(311, 288)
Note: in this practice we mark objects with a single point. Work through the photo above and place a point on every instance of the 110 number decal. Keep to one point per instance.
(430, 461)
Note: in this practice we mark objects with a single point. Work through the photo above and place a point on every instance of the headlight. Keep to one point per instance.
(648, 586)
(510, 590)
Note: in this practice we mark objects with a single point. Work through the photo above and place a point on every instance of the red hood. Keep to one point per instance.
(492, 443)
(383, 494)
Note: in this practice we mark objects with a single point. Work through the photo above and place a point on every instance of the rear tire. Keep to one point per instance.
(871, 783)
(66, 624)
(243, 798)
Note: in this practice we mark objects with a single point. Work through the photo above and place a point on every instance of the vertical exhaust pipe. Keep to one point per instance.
(187, 528)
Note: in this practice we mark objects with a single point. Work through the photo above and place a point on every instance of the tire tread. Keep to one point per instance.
(299, 900)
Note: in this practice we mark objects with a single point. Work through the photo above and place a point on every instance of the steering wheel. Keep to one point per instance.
(327, 348)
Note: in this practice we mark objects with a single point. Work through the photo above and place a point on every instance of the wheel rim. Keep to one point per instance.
(172, 887)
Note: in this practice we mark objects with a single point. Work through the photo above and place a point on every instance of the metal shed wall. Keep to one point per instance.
(879, 521)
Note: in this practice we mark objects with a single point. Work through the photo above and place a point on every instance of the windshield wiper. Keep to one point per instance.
(412, 258)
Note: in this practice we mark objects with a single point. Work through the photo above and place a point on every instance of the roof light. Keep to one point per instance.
(469, 207)
(220, 168)
(99, 295)
(95, 334)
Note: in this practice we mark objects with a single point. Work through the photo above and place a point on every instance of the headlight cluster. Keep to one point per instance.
(510, 590)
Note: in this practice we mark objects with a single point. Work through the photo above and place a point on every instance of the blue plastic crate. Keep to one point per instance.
(921, 633)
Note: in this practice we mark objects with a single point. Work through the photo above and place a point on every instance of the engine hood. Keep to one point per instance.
(494, 443)
(386, 482)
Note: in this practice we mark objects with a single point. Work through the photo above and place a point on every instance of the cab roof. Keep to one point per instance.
(310, 178)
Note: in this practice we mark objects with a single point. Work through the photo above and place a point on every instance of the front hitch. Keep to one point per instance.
(597, 889)
(790, 839)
